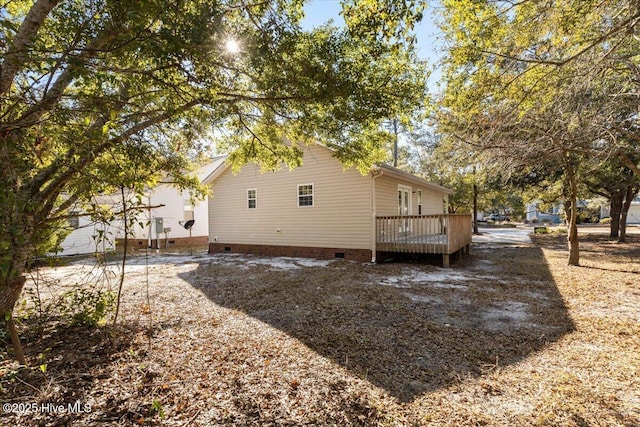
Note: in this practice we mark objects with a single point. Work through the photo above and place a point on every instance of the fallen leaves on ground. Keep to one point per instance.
(509, 336)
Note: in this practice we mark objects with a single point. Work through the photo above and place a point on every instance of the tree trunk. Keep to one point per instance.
(15, 340)
(572, 235)
(615, 206)
(124, 263)
(628, 198)
(475, 209)
(571, 210)
(475, 203)
(10, 291)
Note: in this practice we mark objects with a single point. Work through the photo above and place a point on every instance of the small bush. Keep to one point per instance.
(541, 230)
(88, 306)
(606, 220)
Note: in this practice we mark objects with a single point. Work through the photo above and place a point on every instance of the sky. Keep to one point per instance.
(318, 12)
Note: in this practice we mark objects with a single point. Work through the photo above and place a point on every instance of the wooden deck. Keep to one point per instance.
(426, 234)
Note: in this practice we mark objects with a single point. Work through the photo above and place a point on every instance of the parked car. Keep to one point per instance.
(550, 218)
(498, 217)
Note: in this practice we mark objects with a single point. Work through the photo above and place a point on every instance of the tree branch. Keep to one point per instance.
(18, 53)
(629, 163)
(48, 195)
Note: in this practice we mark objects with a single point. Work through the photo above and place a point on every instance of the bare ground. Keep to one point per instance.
(509, 336)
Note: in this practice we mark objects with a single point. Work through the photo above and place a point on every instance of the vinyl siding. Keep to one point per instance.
(339, 218)
(387, 197)
(85, 240)
(172, 213)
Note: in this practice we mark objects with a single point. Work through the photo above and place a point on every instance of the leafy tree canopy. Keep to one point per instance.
(101, 94)
(551, 85)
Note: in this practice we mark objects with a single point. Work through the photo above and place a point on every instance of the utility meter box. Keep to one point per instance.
(159, 225)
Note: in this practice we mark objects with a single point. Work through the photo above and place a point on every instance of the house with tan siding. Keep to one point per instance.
(323, 210)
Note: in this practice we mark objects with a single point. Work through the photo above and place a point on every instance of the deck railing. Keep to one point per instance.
(430, 234)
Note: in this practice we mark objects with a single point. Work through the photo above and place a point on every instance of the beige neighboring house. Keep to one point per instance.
(323, 210)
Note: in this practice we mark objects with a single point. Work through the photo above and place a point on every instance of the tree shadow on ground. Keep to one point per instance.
(408, 329)
(68, 360)
(622, 256)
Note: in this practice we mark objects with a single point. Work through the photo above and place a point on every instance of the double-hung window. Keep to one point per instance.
(188, 210)
(74, 220)
(305, 195)
(252, 198)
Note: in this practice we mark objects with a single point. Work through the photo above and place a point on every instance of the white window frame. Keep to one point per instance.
(405, 224)
(74, 220)
(408, 189)
(313, 198)
(189, 210)
(255, 198)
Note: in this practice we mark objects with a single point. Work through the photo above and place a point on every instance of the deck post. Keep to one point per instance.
(445, 260)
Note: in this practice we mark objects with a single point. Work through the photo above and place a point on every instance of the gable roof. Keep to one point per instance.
(204, 172)
(397, 173)
(214, 169)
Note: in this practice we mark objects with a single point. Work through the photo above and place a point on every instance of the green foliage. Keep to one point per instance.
(126, 92)
(456, 166)
(533, 80)
(383, 19)
(589, 216)
(87, 305)
(101, 96)
(156, 409)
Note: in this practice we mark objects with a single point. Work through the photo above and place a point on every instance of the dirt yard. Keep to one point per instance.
(509, 336)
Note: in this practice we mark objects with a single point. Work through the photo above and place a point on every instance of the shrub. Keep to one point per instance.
(87, 305)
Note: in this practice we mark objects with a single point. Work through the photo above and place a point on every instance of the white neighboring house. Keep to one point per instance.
(533, 213)
(159, 226)
(633, 216)
(162, 225)
(88, 237)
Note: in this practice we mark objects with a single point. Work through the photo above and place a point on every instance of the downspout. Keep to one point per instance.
(374, 174)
